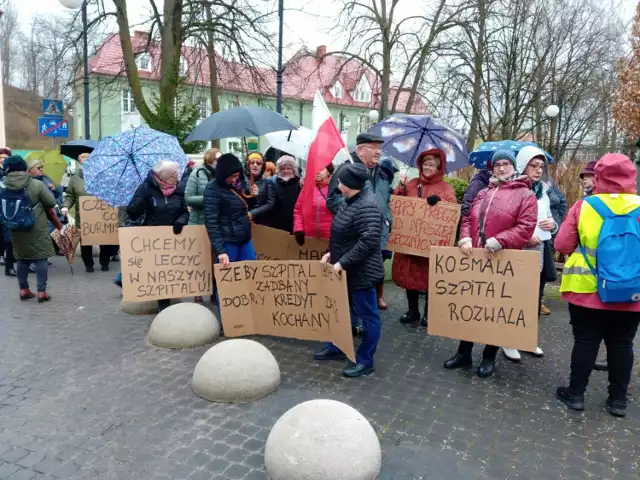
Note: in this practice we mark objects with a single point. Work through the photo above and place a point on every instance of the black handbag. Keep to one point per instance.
(549, 273)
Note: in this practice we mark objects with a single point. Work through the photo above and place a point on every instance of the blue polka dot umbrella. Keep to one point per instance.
(481, 155)
(119, 164)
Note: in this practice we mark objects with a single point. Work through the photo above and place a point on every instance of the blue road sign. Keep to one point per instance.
(53, 127)
(52, 108)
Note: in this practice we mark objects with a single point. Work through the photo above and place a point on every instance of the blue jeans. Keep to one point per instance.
(363, 304)
(42, 273)
(240, 251)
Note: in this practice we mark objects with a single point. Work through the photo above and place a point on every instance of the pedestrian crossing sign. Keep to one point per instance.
(52, 108)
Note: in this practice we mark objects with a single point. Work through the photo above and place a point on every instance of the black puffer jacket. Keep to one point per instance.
(355, 240)
(158, 210)
(225, 209)
(286, 196)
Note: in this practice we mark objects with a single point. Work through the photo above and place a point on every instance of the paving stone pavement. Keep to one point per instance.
(83, 396)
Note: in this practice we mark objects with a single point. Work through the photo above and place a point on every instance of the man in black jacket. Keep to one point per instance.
(354, 247)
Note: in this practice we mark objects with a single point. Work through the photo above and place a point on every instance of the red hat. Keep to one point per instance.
(589, 169)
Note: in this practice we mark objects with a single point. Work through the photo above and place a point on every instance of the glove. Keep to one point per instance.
(299, 238)
(177, 228)
(433, 199)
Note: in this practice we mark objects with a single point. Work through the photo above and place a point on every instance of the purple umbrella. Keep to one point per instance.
(406, 136)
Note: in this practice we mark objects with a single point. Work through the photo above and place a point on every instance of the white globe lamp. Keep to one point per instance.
(374, 116)
(71, 4)
(552, 111)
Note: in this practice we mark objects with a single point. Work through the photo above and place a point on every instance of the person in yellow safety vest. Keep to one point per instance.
(591, 319)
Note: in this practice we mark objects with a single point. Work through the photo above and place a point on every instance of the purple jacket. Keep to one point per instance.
(479, 182)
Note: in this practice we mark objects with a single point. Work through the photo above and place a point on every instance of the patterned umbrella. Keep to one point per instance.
(67, 240)
(406, 136)
(483, 153)
(120, 163)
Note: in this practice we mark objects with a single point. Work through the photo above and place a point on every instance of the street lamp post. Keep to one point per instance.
(280, 47)
(75, 5)
(553, 112)
(374, 116)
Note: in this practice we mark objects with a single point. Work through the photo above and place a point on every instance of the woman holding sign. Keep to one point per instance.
(411, 272)
(161, 200)
(502, 216)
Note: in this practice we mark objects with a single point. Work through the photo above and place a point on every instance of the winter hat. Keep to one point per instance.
(433, 152)
(290, 161)
(165, 169)
(15, 163)
(354, 176)
(5, 151)
(502, 155)
(589, 169)
(228, 164)
(525, 155)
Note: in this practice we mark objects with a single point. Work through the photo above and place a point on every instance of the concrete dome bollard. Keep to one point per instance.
(139, 308)
(184, 325)
(236, 371)
(322, 439)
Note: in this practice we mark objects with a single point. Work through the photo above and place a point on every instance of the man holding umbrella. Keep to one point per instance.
(381, 173)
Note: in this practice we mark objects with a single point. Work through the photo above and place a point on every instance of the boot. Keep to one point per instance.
(571, 400)
(413, 314)
(459, 360)
(425, 317)
(26, 294)
(382, 305)
(43, 297)
(487, 367)
(10, 272)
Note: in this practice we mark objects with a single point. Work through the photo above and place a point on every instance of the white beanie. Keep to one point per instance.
(526, 154)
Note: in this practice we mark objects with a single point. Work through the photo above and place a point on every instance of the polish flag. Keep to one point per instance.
(324, 147)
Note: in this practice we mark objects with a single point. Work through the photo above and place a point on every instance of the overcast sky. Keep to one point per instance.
(307, 22)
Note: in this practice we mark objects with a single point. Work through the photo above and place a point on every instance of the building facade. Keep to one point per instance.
(350, 90)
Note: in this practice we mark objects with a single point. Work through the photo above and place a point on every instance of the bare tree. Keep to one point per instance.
(9, 41)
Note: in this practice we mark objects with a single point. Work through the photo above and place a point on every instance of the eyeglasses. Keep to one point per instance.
(536, 166)
(255, 162)
(430, 165)
(502, 165)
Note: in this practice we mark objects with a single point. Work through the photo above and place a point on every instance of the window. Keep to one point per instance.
(128, 105)
(203, 109)
(143, 61)
(362, 93)
(336, 90)
(183, 67)
(233, 103)
(364, 123)
(234, 145)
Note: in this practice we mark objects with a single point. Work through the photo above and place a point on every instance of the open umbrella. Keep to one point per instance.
(406, 136)
(67, 240)
(293, 142)
(120, 164)
(483, 153)
(75, 148)
(240, 122)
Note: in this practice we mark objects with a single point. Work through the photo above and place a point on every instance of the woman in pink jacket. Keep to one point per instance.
(591, 319)
(501, 216)
(314, 219)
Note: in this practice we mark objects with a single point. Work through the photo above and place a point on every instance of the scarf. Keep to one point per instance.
(496, 181)
(166, 188)
(537, 189)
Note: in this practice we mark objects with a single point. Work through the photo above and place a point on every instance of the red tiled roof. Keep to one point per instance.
(304, 73)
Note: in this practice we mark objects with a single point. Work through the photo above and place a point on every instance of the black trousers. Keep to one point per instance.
(106, 252)
(490, 351)
(618, 330)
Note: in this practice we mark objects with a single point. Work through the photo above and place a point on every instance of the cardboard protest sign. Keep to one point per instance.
(417, 226)
(494, 302)
(302, 299)
(98, 222)
(156, 264)
(274, 244)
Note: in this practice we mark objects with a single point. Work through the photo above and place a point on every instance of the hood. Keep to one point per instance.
(615, 173)
(17, 180)
(439, 175)
(524, 157)
(482, 176)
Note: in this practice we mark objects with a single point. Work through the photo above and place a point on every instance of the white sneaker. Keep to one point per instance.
(511, 354)
(538, 353)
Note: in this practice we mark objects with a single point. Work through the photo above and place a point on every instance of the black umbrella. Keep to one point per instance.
(75, 148)
(240, 122)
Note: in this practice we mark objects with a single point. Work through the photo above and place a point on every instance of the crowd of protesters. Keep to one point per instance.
(511, 204)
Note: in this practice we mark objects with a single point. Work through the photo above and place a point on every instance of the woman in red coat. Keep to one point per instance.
(314, 220)
(411, 272)
(502, 216)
